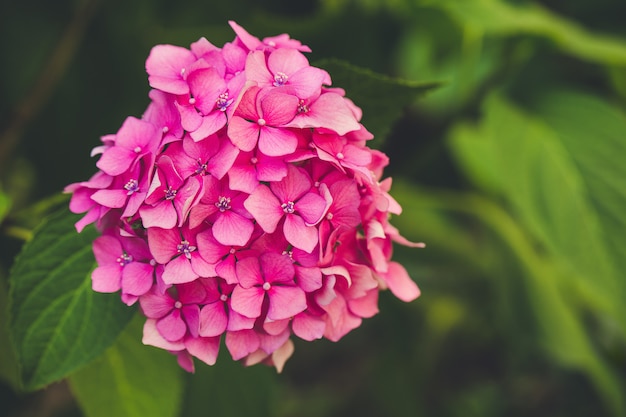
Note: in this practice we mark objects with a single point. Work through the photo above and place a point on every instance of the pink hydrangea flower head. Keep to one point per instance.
(244, 206)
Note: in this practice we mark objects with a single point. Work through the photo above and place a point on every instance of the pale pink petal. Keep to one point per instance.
(287, 61)
(280, 355)
(164, 66)
(116, 160)
(110, 198)
(366, 306)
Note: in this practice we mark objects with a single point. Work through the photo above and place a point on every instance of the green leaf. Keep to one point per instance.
(8, 364)
(533, 169)
(382, 99)
(131, 380)
(504, 18)
(552, 193)
(56, 321)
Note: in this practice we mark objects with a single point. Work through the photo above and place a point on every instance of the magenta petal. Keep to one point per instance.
(164, 65)
(107, 249)
(231, 229)
(299, 234)
(265, 208)
(287, 61)
(285, 302)
(204, 348)
(172, 327)
(248, 301)
(400, 283)
(211, 123)
(213, 320)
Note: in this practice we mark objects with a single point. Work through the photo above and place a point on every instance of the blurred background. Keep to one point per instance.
(513, 172)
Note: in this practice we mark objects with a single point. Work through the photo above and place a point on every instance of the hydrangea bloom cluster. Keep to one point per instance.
(243, 204)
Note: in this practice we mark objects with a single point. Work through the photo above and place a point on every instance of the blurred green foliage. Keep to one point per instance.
(512, 172)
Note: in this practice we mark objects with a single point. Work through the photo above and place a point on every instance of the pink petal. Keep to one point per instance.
(400, 283)
(164, 65)
(213, 319)
(366, 306)
(178, 271)
(162, 215)
(329, 111)
(106, 278)
(152, 337)
(277, 268)
(116, 160)
(299, 234)
(156, 306)
(286, 61)
(243, 134)
(163, 243)
(278, 108)
(137, 278)
(107, 249)
(285, 302)
(249, 272)
(308, 327)
(242, 343)
(312, 208)
(110, 198)
(248, 301)
(191, 314)
(256, 69)
(265, 208)
(231, 229)
(204, 348)
(172, 327)
(275, 141)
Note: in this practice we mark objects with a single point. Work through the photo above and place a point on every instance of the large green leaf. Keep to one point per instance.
(594, 134)
(56, 321)
(382, 99)
(5, 205)
(130, 380)
(505, 18)
(552, 199)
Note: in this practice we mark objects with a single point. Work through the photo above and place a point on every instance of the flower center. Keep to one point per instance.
(288, 207)
(223, 101)
(302, 107)
(261, 122)
(280, 79)
(223, 297)
(131, 186)
(201, 166)
(169, 193)
(124, 259)
(185, 248)
(267, 286)
(223, 203)
(178, 304)
(329, 216)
